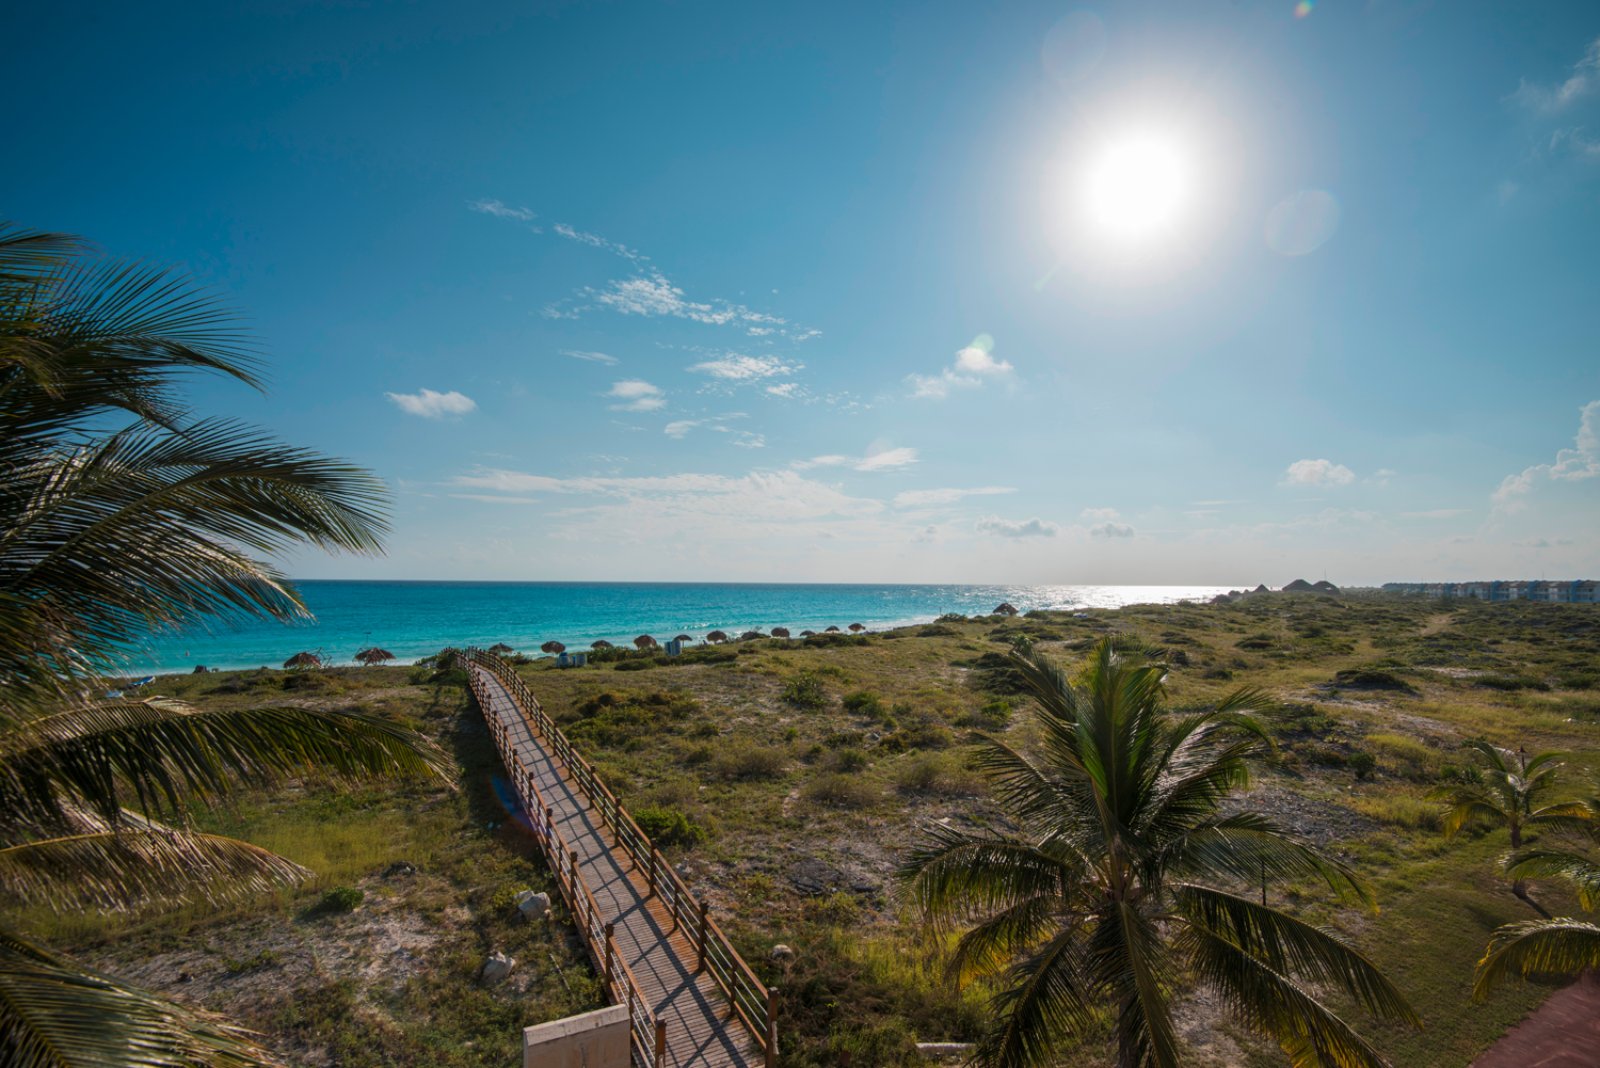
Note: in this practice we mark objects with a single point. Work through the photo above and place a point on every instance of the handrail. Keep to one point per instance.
(750, 999)
(648, 1035)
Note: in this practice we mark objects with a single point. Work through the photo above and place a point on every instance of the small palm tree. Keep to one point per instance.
(1508, 792)
(1118, 883)
(121, 516)
(1560, 946)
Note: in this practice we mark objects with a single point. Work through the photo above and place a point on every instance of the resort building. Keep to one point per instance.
(1581, 591)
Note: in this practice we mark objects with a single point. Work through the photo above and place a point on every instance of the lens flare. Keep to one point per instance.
(1302, 222)
(1303, 8)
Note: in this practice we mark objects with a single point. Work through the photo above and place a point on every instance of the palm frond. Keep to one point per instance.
(139, 865)
(158, 754)
(1537, 947)
(1000, 939)
(54, 1014)
(956, 875)
(1274, 1005)
(1582, 871)
(1292, 947)
(1248, 847)
(1044, 1003)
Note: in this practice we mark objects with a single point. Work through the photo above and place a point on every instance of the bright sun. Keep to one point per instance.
(1138, 187)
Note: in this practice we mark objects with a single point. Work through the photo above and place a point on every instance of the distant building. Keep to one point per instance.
(1581, 591)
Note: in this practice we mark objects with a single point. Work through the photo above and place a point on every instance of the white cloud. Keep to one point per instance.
(1016, 528)
(738, 368)
(1580, 462)
(636, 395)
(973, 364)
(976, 360)
(591, 357)
(492, 498)
(1111, 530)
(679, 428)
(787, 390)
(433, 405)
(1584, 79)
(884, 460)
(932, 498)
(1101, 515)
(1318, 473)
(654, 295)
(502, 211)
(596, 241)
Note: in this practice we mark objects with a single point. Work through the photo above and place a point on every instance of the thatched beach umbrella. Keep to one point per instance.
(644, 641)
(552, 648)
(684, 638)
(831, 630)
(601, 644)
(780, 632)
(373, 656)
(303, 660)
(1006, 608)
(808, 634)
(501, 649)
(751, 635)
(716, 636)
(857, 628)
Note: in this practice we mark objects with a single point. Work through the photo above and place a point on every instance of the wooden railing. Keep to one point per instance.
(648, 1034)
(748, 998)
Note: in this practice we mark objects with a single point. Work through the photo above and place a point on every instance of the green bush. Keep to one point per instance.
(935, 773)
(863, 703)
(849, 760)
(746, 761)
(668, 827)
(840, 791)
(342, 899)
(1362, 763)
(804, 690)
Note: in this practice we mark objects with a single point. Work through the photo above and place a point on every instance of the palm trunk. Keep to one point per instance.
(1519, 887)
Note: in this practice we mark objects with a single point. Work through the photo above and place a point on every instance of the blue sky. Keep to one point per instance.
(860, 293)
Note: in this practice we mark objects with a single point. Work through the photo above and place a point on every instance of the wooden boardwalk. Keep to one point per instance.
(691, 999)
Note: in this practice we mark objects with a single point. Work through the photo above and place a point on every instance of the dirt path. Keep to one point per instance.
(1564, 1032)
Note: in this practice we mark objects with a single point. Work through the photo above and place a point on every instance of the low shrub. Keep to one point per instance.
(1511, 683)
(746, 761)
(992, 715)
(849, 761)
(840, 791)
(805, 690)
(1372, 679)
(1362, 763)
(668, 827)
(864, 703)
(341, 899)
(936, 773)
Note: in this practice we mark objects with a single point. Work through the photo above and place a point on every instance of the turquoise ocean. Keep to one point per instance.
(416, 619)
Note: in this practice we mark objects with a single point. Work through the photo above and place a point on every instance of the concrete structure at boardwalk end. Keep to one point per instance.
(598, 1039)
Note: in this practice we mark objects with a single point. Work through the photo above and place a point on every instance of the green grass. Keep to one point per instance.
(837, 750)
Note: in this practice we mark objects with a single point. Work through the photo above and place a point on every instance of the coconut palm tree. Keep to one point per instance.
(1562, 945)
(121, 515)
(1508, 793)
(1119, 882)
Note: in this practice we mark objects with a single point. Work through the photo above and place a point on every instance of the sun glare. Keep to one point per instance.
(1138, 187)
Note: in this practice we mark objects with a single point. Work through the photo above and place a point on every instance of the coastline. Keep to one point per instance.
(417, 619)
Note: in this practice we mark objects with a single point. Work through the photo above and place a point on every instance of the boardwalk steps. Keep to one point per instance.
(692, 1000)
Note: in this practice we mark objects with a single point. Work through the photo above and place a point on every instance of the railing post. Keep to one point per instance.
(611, 966)
(700, 939)
(661, 1044)
(653, 856)
(548, 823)
(772, 1028)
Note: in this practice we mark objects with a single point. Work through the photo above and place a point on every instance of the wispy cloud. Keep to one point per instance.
(1548, 98)
(503, 211)
(1435, 513)
(596, 241)
(1107, 523)
(884, 460)
(1318, 473)
(973, 364)
(726, 424)
(636, 395)
(430, 404)
(591, 357)
(934, 498)
(652, 294)
(1016, 528)
(738, 369)
(1582, 461)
